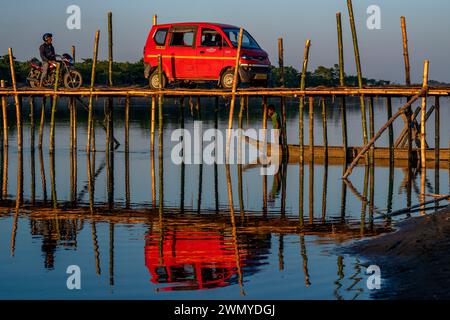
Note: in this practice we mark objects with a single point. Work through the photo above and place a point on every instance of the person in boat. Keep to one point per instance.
(276, 121)
(47, 53)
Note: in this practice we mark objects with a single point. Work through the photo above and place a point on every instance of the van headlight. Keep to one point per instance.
(245, 57)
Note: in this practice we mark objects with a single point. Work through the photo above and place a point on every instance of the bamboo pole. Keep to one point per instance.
(378, 134)
(437, 129)
(152, 125)
(358, 69)
(5, 116)
(342, 84)
(127, 150)
(233, 91)
(110, 50)
(391, 130)
(127, 124)
(91, 115)
(372, 129)
(302, 99)
(264, 125)
(282, 100)
(423, 143)
(42, 121)
(17, 100)
(73, 53)
(405, 51)
(54, 102)
(325, 129)
(311, 127)
(240, 186)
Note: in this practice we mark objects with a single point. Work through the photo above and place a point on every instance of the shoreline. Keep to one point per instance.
(414, 260)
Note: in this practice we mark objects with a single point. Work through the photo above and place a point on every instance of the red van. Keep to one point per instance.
(199, 52)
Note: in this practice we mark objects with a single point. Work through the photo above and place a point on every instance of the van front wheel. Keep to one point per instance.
(154, 81)
(226, 81)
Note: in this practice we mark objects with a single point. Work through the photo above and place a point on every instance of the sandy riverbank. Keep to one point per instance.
(415, 260)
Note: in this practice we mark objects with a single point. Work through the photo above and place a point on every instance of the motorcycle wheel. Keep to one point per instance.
(33, 78)
(73, 79)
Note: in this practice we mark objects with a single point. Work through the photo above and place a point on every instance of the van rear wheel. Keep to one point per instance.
(154, 81)
(226, 81)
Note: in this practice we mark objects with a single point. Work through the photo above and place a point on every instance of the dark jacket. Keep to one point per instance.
(47, 52)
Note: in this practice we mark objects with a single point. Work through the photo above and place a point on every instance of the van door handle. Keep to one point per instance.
(202, 52)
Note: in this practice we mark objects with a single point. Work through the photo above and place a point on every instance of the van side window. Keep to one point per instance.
(160, 37)
(182, 38)
(211, 38)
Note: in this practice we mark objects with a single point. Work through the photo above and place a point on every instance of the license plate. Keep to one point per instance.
(261, 76)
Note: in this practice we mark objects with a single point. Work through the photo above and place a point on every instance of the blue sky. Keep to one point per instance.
(22, 23)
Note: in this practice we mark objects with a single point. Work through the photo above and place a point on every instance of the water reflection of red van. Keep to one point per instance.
(191, 260)
(198, 52)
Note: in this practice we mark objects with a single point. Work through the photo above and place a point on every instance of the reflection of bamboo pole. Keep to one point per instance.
(111, 253)
(17, 100)
(302, 98)
(301, 175)
(235, 83)
(358, 69)
(19, 197)
(183, 165)
(437, 144)
(324, 192)
(364, 203)
(127, 154)
(343, 197)
(200, 167)
(234, 231)
(14, 232)
(152, 124)
(5, 117)
(96, 248)
(311, 192)
(53, 180)
(43, 179)
(5, 173)
(160, 154)
(305, 260)
(372, 129)
(281, 252)
(371, 195)
(91, 115)
(90, 182)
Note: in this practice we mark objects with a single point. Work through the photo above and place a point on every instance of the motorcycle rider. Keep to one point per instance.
(47, 52)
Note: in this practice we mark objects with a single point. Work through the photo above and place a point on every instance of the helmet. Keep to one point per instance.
(46, 36)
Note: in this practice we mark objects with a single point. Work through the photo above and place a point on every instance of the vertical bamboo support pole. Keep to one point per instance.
(311, 127)
(372, 129)
(91, 115)
(73, 53)
(17, 100)
(127, 150)
(324, 192)
(437, 129)
(240, 187)
(235, 84)
(391, 130)
(358, 69)
(5, 117)
(216, 171)
(342, 83)
(43, 178)
(311, 191)
(54, 103)
(264, 126)
(160, 139)
(71, 122)
(152, 124)
(325, 129)
(32, 151)
(423, 143)
(42, 121)
(110, 50)
(183, 165)
(302, 99)
(53, 180)
(282, 100)
(405, 51)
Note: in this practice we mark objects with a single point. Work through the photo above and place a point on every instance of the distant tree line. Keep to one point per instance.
(132, 73)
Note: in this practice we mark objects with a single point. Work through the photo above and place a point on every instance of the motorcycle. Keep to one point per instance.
(68, 76)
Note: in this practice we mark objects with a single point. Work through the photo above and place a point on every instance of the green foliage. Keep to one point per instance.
(128, 73)
(322, 76)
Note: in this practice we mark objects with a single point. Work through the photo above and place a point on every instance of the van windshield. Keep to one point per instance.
(247, 41)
